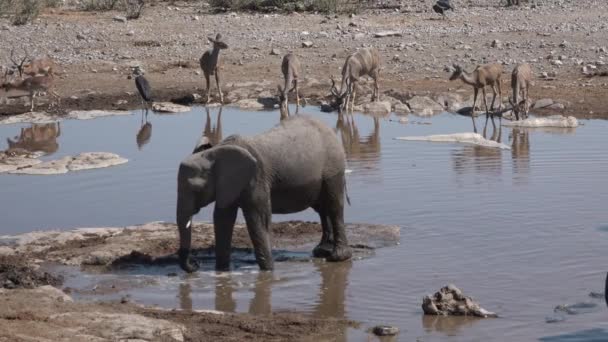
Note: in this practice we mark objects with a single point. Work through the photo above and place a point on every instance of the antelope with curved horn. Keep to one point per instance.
(361, 63)
(521, 79)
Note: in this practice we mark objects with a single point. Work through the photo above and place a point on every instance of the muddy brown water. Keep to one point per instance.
(520, 230)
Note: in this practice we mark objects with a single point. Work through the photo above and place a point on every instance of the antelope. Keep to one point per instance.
(38, 137)
(290, 67)
(211, 64)
(361, 63)
(521, 78)
(482, 76)
(33, 85)
(39, 66)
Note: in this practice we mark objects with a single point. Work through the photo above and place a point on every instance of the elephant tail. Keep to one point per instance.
(348, 201)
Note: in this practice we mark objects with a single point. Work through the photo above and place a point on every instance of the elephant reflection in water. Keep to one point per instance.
(358, 148)
(480, 158)
(330, 303)
(145, 131)
(37, 138)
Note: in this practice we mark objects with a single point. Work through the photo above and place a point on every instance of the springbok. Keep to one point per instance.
(211, 64)
(33, 85)
(290, 67)
(521, 79)
(482, 76)
(361, 63)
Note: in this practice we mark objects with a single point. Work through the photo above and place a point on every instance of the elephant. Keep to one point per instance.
(296, 165)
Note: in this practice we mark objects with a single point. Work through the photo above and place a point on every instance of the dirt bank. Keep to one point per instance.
(95, 52)
(48, 313)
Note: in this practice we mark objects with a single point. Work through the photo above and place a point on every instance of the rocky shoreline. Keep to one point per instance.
(564, 44)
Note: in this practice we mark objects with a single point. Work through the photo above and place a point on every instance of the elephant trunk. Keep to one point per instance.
(184, 225)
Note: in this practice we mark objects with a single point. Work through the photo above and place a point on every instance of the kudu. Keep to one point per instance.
(361, 63)
(33, 85)
(18, 63)
(482, 76)
(211, 64)
(290, 67)
(521, 79)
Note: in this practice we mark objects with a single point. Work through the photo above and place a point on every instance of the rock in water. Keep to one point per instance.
(385, 330)
(449, 300)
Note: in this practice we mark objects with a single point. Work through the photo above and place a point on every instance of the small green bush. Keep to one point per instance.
(323, 6)
(99, 5)
(26, 11)
(134, 8)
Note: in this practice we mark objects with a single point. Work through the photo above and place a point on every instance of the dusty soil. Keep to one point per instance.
(46, 313)
(95, 52)
(58, 318)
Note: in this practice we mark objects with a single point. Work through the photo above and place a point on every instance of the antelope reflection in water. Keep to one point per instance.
(213, 133)
(520, 151)
(363, 151)
(481, 159)
(37, 138)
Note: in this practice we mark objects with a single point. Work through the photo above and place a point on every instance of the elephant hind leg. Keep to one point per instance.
(325, 247)
(334, 205)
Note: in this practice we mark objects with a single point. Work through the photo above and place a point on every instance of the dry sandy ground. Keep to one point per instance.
(95, 52)
(32, 310)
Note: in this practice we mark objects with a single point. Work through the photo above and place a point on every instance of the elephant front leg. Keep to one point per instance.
(223, 226)
(258, 226)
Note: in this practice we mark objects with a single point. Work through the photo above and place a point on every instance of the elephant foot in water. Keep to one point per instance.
(340, 253)
(323, 250)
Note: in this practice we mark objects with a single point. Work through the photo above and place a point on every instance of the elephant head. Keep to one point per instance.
(211, 174)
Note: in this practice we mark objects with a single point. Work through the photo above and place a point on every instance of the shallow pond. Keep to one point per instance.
(521, 230)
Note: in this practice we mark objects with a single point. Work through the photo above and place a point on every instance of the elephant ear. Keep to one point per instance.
(191, 172)
(233, 169)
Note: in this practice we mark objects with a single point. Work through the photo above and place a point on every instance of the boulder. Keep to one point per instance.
(450, 301)
(424, 106)
(380, 107)
(168, 107)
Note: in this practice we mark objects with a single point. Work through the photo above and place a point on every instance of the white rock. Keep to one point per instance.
(94, 114)
(542, 103)
(383, 34)
(550, 121)
(248, 104)
(95, 160)
(120, 327)
(169, 107)
(465, 138)
(424, 106)
(380, 107)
